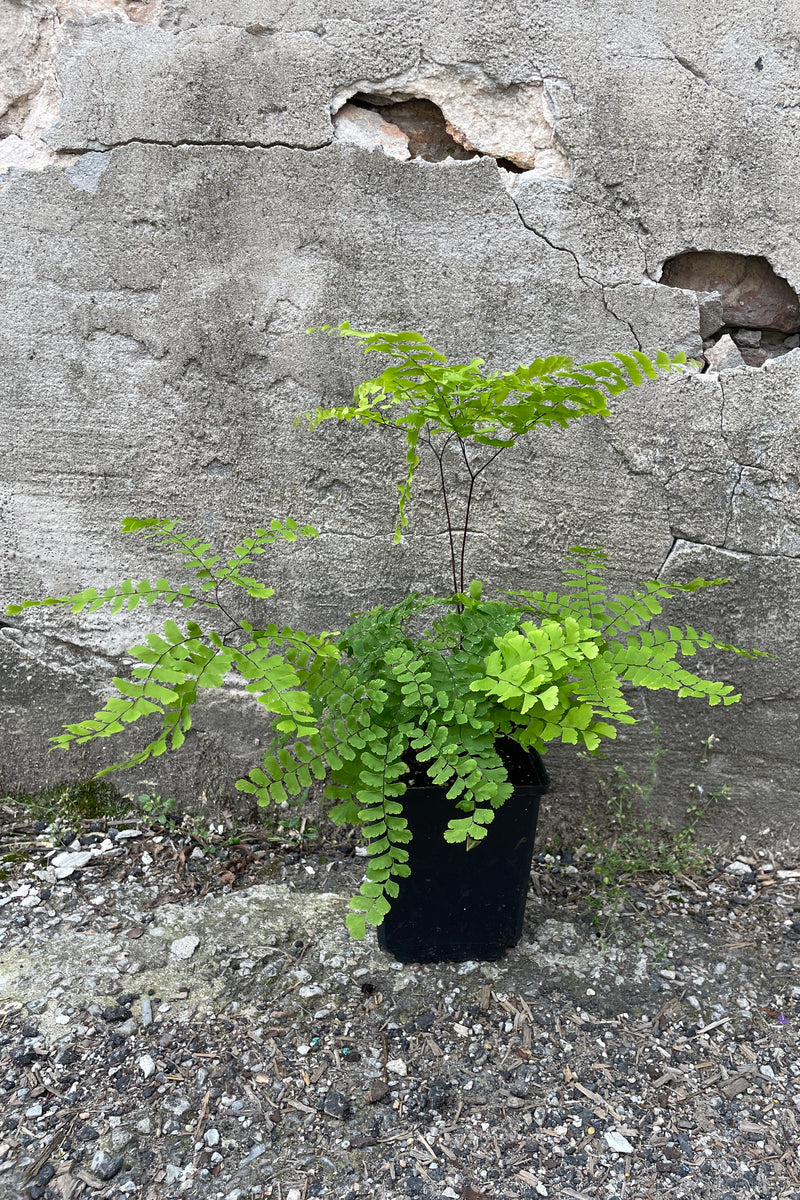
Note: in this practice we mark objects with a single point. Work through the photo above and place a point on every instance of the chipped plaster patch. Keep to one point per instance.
(369, 130)
(85, 170)
(515, 123)
(748, 314)
(30, 93)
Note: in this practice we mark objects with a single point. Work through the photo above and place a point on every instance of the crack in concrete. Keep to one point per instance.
(688, 66)
(691, 68)
(740, 554)
(85, 659)
(624, 320)
(667, 556)
(554, 246)
(732, 501)
(722, 416)
(103, 147)
(583, 276)
(737, 486)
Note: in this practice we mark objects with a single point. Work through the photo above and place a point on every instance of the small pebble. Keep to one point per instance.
(737, 868)
(618, 1143)
(184, 947)
(105, 1166)
(337, 1105)
(256, 1152)
(147, 1066)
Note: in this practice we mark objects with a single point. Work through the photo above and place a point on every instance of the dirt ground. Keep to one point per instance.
(183, 1017)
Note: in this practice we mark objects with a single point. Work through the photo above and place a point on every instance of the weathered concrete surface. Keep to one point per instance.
(193, 212)
(257, 924)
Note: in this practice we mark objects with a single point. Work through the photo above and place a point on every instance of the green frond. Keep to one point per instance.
(421, 392)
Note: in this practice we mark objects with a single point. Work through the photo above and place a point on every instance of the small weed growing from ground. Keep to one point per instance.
(629, 845)
(154, 809)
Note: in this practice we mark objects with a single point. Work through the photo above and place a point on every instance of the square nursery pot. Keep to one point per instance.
(460, 904)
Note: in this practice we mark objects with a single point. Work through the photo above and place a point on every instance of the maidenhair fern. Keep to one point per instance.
(433, 679)
(436, 678)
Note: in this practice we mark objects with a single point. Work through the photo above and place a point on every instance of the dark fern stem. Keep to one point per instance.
(458, 557)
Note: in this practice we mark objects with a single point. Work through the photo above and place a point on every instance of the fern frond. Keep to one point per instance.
(422, 391)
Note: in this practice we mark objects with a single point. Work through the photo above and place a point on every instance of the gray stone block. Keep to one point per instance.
(724, 355)
(711, 315)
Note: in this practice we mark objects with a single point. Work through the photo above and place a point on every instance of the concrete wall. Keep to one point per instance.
(186, 186)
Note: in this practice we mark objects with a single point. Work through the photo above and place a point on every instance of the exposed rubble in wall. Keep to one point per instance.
(437, 112)
(30, 95)
(405, 129)
(748, 314)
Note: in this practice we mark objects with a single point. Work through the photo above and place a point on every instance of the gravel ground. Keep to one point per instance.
(185, 1018)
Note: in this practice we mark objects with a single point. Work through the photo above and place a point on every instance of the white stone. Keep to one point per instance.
(147, 1065)
(184, 947)
(515, 122)
(71, 859)
(397, 1066)
(370, 131)
(618, 1143)
(211, 1137)
(738, 868)
(310, 990)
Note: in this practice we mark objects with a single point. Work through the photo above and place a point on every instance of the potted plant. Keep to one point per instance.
(456, 694)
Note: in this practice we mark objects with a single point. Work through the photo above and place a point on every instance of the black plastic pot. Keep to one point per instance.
(460, 904)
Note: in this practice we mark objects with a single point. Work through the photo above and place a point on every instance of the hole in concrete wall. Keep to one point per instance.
(421, 123)
(435, 112)
(748, 314)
